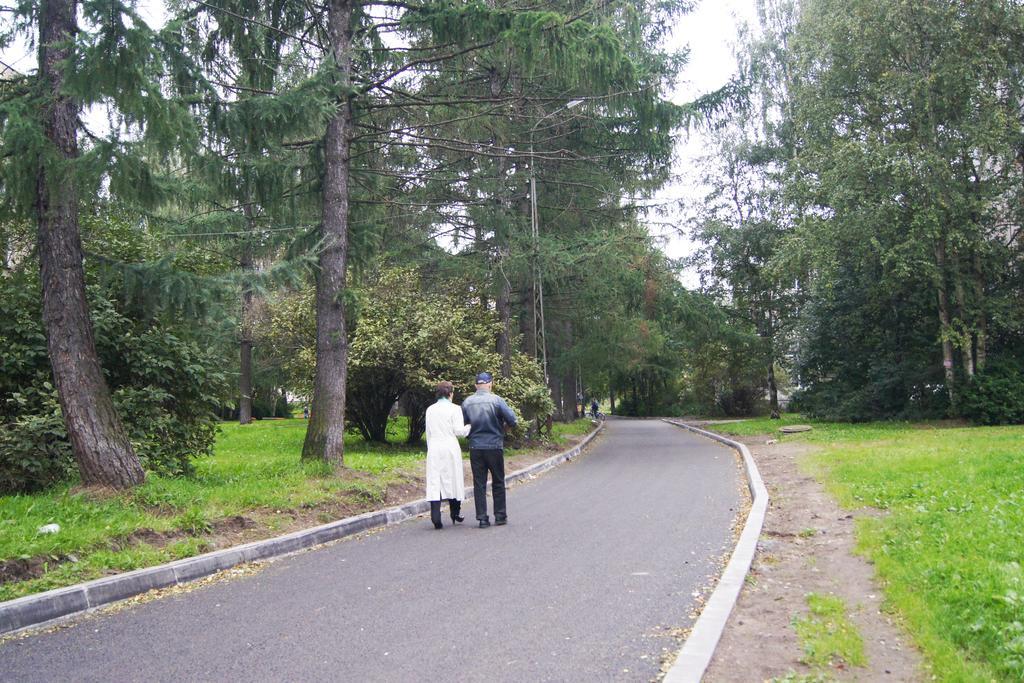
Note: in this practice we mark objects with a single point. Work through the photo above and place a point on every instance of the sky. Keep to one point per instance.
(709, 31)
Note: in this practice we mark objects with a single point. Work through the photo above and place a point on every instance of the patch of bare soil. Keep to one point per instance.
(23, 568)
(806, 546)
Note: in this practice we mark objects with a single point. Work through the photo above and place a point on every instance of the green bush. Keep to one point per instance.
(165, 387)
(658, 406)
(526, 393)
(34, 450)
(406, 334)
(996, 395)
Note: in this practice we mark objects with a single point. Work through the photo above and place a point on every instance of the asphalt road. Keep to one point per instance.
(600, 558)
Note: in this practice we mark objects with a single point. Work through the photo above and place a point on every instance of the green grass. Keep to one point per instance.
(827, 634)
(822, 432)
(950, 546)
(255, 469)
(560, 430)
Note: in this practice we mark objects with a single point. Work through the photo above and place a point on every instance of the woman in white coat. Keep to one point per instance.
(445, 481)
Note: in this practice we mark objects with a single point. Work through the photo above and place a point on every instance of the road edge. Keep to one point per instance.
(695, 655)
(32, 611)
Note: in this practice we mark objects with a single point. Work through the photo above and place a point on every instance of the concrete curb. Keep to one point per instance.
(33, 610)
(695, 656)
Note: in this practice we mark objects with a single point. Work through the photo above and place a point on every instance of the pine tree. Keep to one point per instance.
(101, 447)
(247, 177)
(427, 117)
(571, 95)
(52, 163)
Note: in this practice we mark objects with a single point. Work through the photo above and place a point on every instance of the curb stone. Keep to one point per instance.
(35, 610)
(695, 656)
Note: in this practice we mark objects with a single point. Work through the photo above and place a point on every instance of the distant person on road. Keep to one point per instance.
(445, 481)
(488, 416)
(593, 408)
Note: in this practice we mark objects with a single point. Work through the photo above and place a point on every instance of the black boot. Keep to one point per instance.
(435, 513)
(455, 507)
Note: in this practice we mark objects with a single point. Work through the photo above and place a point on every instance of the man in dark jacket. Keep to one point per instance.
(488, 416)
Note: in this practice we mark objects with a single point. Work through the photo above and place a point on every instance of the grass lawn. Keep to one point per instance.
(255, 477)
(950, 547)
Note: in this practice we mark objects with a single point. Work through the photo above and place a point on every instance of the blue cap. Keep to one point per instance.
(484, 378)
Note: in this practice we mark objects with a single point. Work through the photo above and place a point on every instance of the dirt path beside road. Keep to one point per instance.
(807, 546)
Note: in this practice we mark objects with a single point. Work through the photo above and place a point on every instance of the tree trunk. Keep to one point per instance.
(415, 404)
(568, 397)
(245, 343)
(569, 392)
(945, 326)
(555, 387)
(966, 350)
(611, 399)
(101, 447)
(981, 343)
(326, 431)
(245, 381)
(274, 402)
(773, 392)
(480, 247)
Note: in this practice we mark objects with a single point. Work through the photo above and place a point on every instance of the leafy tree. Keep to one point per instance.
(575, 107)
(909, 157)
(409, 334)
(247, 181)
(747, 222)
(424, 111)
(864, 218)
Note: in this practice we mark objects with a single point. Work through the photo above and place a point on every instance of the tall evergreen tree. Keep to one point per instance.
(101, 447)
(577, 123)
(112, 58)
(246, 178)
(404, 85)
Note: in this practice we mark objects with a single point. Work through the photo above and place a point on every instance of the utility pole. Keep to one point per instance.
(540, 329)
(538, 278)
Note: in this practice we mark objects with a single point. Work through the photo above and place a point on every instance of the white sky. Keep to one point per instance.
(710, 31)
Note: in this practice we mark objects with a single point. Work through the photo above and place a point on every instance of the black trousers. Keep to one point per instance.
(484, 460)
(454, 509)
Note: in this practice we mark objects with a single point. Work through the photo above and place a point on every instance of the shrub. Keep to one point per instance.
(996, 396)
(406, 334)
(166, 389)
(526, 393)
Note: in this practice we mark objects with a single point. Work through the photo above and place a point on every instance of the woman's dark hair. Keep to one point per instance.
(444, 389)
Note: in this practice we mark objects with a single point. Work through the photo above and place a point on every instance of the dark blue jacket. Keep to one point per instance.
(487, 415)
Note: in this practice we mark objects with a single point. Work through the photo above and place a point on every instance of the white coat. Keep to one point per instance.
(444, 455)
